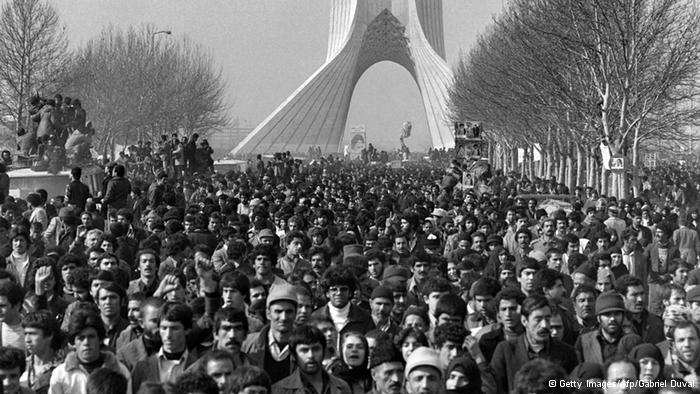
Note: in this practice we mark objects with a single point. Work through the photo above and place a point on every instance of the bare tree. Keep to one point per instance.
(33, 54)
(618, 72)
(132, 87)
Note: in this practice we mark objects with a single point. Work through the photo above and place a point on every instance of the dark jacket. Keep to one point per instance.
(117, 194)
(155, 195)
(254, 347)
(203, 237)
(509, 357)
(358, 319)
(77, 194)
(651, 327)
(132, 353)
(148, 369)
(292, 384)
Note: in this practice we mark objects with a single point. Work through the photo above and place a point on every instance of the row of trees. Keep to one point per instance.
(131, 84)
(570, 75)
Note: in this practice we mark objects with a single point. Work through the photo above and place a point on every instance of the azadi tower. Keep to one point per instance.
(362, 33)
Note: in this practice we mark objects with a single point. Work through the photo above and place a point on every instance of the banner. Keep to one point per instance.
(358, 141)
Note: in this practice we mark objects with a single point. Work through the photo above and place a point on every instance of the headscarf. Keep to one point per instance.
(648, 350)
(357, 375)
(468, 367)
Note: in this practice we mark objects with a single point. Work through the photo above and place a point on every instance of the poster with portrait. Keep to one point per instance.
(358, 141)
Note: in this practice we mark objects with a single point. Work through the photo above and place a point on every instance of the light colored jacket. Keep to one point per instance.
(71, 378)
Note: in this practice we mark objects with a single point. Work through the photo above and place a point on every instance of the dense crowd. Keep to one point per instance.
(346, 278)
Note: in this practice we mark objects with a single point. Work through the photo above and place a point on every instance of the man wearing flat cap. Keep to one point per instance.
(601, 345)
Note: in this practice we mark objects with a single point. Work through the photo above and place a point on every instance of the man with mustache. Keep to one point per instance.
(229, 331)
(386, 366)
(308, 346)
(509, 357)
(647, 325)
(601, 345)
(149, 341)
(686, 343)
(584, 302)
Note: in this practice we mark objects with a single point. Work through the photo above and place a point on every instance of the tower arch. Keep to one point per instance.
(362, 33)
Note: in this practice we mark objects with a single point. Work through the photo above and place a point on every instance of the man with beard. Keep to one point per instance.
(381, 302)
(401, 253)
(85, 333)
(269, 348)
(509, 357)
(149, 342)
(319, 260)
(396, 278)
(686, 345)
(584, 301)
(387, 369)
(507, 304)
(308, 346)
(647, 325)
(339, 284)
(602, 345)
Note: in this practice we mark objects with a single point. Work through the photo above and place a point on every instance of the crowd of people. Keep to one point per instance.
(58, 133)
(346, 278)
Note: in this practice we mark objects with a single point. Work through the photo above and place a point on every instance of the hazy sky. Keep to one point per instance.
(267, 48)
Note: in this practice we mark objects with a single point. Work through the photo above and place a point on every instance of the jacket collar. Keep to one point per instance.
(108, 361)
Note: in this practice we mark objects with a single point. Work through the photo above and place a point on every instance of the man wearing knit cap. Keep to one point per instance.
(395, 277)
(601, 345)
(585, 274)
(381, 303)
(387, 369)
(692, 299)
(269, 348)
(423, 372)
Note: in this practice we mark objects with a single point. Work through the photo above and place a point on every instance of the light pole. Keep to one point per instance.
(153, 38)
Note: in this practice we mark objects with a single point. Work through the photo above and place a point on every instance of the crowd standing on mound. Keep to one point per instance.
(346, 278)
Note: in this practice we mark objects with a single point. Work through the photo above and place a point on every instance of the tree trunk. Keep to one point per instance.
(561, 174)
(579, 165)
(531, 166)
(514, 159)
(603, 180)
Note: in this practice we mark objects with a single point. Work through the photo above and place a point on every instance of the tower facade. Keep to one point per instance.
(362, 33)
